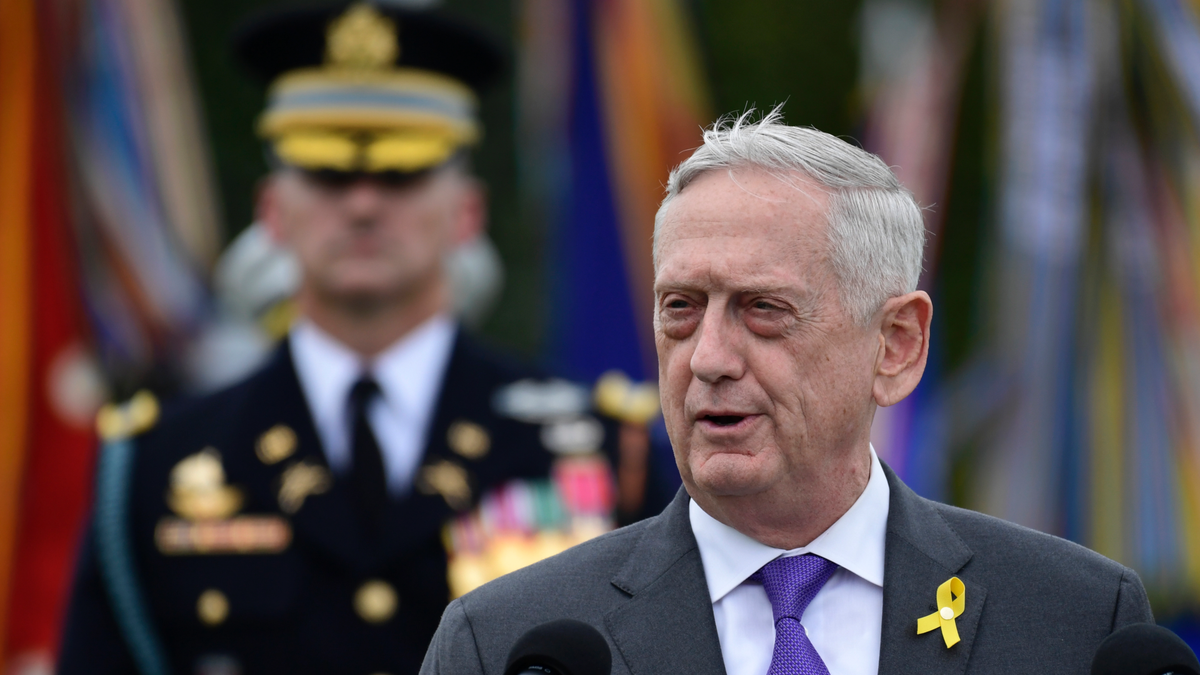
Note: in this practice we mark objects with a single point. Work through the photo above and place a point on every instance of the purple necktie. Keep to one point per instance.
(792, 583)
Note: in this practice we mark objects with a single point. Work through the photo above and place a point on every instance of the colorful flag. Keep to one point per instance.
(18, 111)
(1077, 409)
(99, 161)
(612, 99)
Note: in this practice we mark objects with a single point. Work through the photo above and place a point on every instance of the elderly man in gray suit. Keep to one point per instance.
(786, 311)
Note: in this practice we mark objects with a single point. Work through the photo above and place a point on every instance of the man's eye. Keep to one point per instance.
(677, 304)
(331, 179)
(763, 304)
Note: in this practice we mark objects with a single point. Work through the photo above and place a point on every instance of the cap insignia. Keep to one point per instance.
(198, 489)
(361, 39)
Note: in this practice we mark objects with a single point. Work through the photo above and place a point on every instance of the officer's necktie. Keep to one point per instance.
(792, 583)
(367, 479)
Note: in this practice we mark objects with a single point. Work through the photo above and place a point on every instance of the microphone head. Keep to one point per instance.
(1144, 649)
(561, 647)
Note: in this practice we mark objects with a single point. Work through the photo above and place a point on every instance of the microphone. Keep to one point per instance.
(1144, 649)
(560, 647)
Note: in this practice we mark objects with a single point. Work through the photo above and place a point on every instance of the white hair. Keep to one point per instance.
(876, 232)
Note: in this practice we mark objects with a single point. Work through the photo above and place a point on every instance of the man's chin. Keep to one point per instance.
(369, 279)
(731, 475)
(359, 297)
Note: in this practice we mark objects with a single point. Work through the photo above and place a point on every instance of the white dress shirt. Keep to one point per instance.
(409, 373)
(843, 621)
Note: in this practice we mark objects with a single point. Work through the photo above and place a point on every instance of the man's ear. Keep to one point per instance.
(903, 346)
(266, 208)
(472, 214)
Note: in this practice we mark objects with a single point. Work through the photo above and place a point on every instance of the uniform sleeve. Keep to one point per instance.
(1132, 604)
(453, 651)
(92, 642)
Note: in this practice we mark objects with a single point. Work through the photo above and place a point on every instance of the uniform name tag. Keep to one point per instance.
(238, 535)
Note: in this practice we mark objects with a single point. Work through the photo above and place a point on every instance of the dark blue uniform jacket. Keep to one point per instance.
(294, 611)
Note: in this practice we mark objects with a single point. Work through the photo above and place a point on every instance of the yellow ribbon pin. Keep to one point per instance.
(951, 600)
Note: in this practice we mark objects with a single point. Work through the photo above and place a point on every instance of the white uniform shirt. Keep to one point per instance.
(409, 373)
(843, 621)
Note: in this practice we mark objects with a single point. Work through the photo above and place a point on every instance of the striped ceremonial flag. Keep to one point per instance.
(1075, 408)
(106, 226)
(18, 49)
(612, 98)
(48, 381)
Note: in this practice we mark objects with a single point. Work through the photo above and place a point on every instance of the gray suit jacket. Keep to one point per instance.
(1034, 603)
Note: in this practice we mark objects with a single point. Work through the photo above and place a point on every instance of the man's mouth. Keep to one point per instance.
(723, 420)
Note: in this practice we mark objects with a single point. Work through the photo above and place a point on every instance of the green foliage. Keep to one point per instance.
(231, 102)
(763, 52)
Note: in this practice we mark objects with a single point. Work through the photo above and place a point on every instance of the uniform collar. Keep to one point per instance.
(855, 542)
(326, 370)
(409, 373)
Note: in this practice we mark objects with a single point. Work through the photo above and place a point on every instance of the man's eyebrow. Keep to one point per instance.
(680, 285)
(749, 288)
(773, 290)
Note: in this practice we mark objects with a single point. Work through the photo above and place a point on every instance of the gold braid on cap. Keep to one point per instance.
(360, 111)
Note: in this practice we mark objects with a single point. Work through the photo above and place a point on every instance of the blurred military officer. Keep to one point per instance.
(293, 522)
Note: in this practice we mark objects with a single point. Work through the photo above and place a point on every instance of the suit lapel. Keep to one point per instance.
(668, 596)
(922, 552)
(324, 520)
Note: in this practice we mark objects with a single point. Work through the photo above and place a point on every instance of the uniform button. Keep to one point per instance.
(376, 601)
(212, 607)
(947, 613)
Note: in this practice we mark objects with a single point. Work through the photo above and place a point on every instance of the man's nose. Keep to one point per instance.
(717, 354)
(363, 199)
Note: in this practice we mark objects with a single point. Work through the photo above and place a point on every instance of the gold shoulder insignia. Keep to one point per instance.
(138, 414)
(617, 396)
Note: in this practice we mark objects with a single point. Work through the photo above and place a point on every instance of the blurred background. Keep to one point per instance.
(1055, 144)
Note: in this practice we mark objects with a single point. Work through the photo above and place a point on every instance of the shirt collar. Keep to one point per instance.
(855, 542)
(408, 372)
(326, 369)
